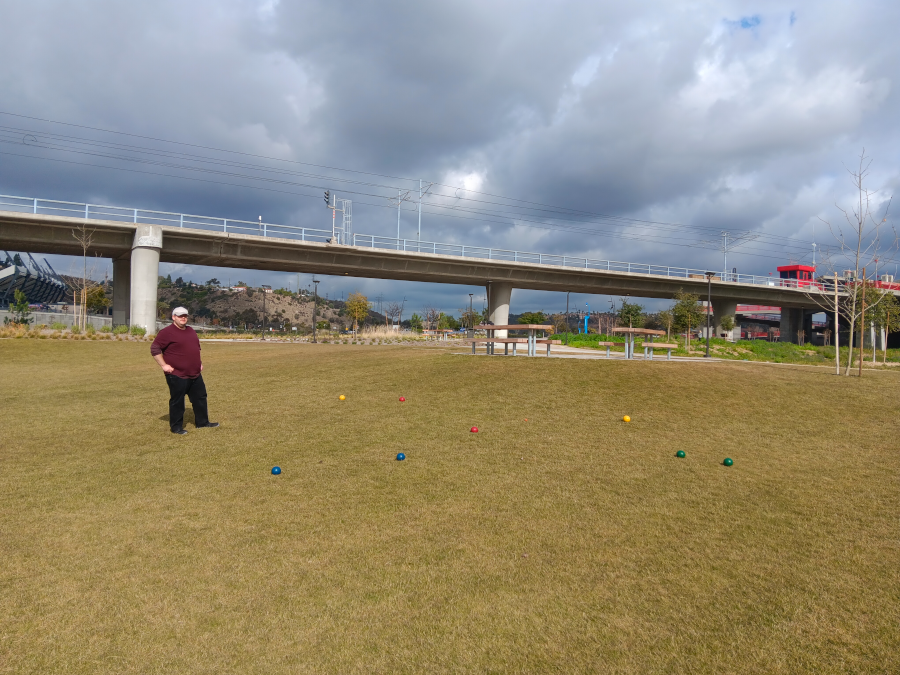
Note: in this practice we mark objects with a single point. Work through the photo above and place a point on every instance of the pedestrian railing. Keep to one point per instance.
(193, 221)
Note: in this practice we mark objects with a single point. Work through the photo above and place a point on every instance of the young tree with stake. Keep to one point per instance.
(867, 242)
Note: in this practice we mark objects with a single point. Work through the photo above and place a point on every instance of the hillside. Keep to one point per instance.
(224, 307)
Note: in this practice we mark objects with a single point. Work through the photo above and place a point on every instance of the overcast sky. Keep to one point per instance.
(697, 117)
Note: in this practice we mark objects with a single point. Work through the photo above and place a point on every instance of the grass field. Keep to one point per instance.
(570, 542)
(748, 350)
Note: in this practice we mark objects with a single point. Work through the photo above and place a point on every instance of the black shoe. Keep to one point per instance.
(180, 432)
(209, 425)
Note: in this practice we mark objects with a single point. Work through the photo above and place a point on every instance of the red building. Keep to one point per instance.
(804, 274)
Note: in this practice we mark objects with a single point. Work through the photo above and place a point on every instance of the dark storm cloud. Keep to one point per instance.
(731, 115)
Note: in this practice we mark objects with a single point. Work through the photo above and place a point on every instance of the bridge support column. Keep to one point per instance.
(791, 322)
(721, 309)
(145, 276)
(499, 294)
(121, 292)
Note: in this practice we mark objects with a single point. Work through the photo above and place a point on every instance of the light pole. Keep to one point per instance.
(471, 318)
(315, 302)
(567, 317)
(709, 276)
(265, 290)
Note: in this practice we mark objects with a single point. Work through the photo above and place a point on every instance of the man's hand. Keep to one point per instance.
(162, 363)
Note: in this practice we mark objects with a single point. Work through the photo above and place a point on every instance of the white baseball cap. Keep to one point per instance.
(180, 311)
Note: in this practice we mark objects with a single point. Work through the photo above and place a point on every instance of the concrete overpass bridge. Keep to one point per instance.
(138, 240)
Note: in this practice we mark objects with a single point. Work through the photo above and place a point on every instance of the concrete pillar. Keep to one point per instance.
(721, 309)
(808, 326)
(121, 307)
(499, 294)
(791, 322)
(145, 276)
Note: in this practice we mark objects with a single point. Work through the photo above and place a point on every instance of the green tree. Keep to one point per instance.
(96, 299)
(415, 322)
(533, 318)
(213, 282)
(446, 321)
(559, 323)
(882, 309)
(687, 312)
(631, 314)
(727, 323)
(666, 318)
(19, 308)
(357, 307)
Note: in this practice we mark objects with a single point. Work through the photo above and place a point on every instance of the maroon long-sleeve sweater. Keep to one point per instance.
(180, 348)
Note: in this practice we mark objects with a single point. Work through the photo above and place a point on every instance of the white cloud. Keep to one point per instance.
(713, 114)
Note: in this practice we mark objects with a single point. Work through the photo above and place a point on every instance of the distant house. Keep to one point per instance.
(238, 289)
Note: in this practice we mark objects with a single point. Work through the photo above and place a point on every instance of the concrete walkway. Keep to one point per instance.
(563, 352)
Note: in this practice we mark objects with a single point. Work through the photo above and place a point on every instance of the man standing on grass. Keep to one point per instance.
(177, 351)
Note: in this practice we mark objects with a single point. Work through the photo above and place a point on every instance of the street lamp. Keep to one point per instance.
(315, 302)
(471, 318)
(567, 317)
(265, 290)
(709, 276)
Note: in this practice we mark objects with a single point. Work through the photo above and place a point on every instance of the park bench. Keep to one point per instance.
(650, 346)
(611, 344)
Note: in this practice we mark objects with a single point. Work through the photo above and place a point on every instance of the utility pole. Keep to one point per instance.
(315, 302)
(419, 231)
(725, 253)
(709, 276)
(399, 202)
(471, 317)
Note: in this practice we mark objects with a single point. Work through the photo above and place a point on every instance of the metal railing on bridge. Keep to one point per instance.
(263, 229)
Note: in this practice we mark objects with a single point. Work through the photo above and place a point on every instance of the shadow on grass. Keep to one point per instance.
(188, 417)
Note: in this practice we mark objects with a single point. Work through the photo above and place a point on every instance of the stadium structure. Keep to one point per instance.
(41, 285)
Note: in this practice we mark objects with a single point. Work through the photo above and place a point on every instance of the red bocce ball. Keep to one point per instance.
(474, 430)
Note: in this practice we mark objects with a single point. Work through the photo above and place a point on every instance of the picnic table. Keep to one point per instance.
(531, 340)
(629, 334)
(440, 333)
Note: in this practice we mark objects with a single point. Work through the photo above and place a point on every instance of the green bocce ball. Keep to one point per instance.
(728, 461)
(680, 454)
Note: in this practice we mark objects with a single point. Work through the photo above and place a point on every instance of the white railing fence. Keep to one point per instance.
(193, 221)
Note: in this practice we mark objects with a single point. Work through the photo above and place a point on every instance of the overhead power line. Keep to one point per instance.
(526, 213)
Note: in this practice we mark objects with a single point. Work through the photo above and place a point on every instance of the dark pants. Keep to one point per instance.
(196, 391)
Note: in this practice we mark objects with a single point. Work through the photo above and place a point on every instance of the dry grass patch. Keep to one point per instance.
(571, 542)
